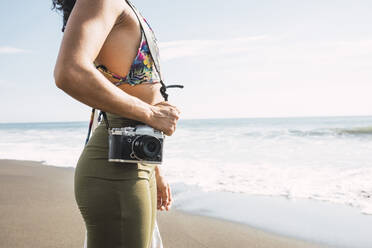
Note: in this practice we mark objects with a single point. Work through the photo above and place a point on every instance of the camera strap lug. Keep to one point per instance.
(102, 113)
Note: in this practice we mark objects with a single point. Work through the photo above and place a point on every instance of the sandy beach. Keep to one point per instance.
(38, 209)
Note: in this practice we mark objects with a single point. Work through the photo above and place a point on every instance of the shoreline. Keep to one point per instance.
(323, 223)
(38, 210)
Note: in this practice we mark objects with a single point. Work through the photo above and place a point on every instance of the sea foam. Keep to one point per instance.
(326, 159)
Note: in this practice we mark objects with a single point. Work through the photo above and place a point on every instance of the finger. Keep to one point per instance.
(169, 202)
(158, 201)
(174, 113)
(164, 197)
(178, 111)
(170, 195)
(166, 104)
(169, 132)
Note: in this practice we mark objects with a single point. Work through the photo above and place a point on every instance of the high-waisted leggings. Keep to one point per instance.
(117, 200)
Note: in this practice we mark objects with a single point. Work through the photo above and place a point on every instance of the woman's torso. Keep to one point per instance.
(118, 52)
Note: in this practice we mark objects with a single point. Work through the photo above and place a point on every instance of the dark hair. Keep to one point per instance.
(65, 6)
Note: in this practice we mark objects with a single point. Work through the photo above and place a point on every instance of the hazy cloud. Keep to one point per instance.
(191, 48)
(9, 49)
(266, 51)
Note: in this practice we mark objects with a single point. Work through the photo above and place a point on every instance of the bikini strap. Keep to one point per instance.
(154, 50)
(104, 69)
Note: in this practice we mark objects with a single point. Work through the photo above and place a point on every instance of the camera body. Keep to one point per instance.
(136, 144)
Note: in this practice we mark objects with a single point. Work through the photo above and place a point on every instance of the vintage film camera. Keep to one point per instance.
(136, 144)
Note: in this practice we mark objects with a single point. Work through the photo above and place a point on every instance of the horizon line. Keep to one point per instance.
(211, 118)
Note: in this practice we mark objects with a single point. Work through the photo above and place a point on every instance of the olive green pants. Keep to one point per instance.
(117, 200)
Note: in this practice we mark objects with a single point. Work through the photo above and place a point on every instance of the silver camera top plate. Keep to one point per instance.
(138, 130)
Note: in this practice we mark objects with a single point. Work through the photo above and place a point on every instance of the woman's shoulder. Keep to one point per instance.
(127, 16)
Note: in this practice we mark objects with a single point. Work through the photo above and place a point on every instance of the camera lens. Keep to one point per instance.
(147, 147)
(151, 146)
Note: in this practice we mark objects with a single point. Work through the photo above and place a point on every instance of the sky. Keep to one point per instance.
(237, 58)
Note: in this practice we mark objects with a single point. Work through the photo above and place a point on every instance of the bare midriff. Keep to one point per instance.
(147, 92)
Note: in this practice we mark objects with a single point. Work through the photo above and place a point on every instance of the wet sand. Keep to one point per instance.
(38, 209)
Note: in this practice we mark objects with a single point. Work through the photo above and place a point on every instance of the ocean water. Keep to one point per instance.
(326, 159)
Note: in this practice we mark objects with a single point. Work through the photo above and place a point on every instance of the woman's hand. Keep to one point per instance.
(164, 117)
(164, 194)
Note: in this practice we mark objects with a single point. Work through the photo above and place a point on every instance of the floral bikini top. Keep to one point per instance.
(142, 69)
